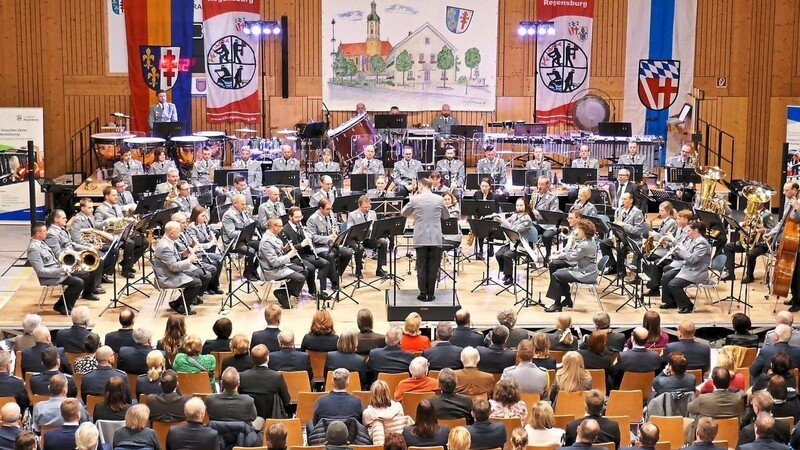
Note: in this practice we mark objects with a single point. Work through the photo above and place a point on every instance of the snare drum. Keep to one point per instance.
(142, 149)
(355, 133)
(107, 147)
(186, 147)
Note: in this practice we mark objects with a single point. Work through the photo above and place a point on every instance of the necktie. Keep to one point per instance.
(684, 164)
(624, 215)
(129, 166)
(368, 164)
(328, 195)
(619, 194)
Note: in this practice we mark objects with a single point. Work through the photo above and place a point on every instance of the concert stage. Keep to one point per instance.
(401, 303)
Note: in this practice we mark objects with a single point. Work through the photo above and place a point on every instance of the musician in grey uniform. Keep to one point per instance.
(239, 188)
(295, 232)
(453, 171)
(405, 171)
(127, 167)
(428, 210)
(581, 261)
(173, 271)
(539, 163)
(201, 170)
(368, 164)
(323, 228)
(493, 167)
(84, 219)
(124, 196)
(233, 221)
(362, 214)
(173, 176)
(202, 233)
(585, 160)
(631, 219)
(161, 163)
(582, 202)
(287, 161)
(185, 201)
(544, 200)
(454, 212)
(327, 164)
(271, 207)
(673, 227)
(520, 222)
(445, 121)
(325, 191)
(276, 263)
(59, 239)
(207, 270)
(380, 191)
(109, 212)
(254, 174)
(682, 160)
(633, 157)
(695, 253)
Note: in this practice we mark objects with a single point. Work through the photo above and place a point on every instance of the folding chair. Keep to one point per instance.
(592, 287)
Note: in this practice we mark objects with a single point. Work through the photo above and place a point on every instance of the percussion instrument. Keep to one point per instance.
(353, 134)
(286, 131)
(215, 138)
(245, 130)
(107, 146)
(189, 149)
(589, 111)
(142, 149)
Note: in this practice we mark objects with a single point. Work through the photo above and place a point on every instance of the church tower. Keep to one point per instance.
(373, 32)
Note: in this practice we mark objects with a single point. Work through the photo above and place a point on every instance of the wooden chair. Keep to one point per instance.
(638, 381)
(219, 357)
(353, 385)
(43, 430)
(728, 429)
(625, 403)
(411, 400)
(364, 396)
(598, 379)
(91, 402)
(452, 423)
(250, 448)
(698, 375)
(133, 381)
(162, 428)
(558, 355)
(18, 364)
(294, 438)
(307, 447)
(789, 420)
(530, 401)
(27, 380)
(624, 424)
(509, 423)
(749, 357)
(72, 357)
(663, 445)
(542, 447)
(551, 376)
(720, 443)
(4, 400)
(36, 398)
(606, 445)
(745, 371)
(392, 379)
(318, 364)
(571, 403)
(434, 374)
(366, 447)
(305, 405)
(78, 377)
(670, 429)
(296, 382)
(194, 383)
(561, 420)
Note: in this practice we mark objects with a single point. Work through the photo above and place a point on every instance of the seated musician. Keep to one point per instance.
(277, 263)
(185, 201)
(51, 272)
(202, 233)
(486, 194)
(405, 172)
(59, 239)
(84, 220)
(295, 232)
(683, 159)
(437, 184)
(368, 164)
(202, 169)
(109, 212)
(254, 174)
(544, 200)
(569, 234)
(539, 163)
(239, 188)
(621, 185)
(493, 167)
(287, 161)
(380, 191)
(759, 248)
(630, 218)
(363, 214)
(585, 160)
(127, 167)
(695, 253)
(323, 228)
(173, 271)
(454, 212)
(671, 225)
(452, 170)
(633, 157)
(582, 203)
(207, 269)
(520, 222)
(581, 266)
(445, 121)
(233, 221)
(325, 191)
(173, 176)
(327, 164)
(161, 163)
(124, 196)
(271, 207)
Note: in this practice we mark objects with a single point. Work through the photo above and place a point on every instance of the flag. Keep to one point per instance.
(659, 69)
(562, 59)
(231, 61)
(159, 38)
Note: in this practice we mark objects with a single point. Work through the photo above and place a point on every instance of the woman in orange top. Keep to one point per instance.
(412, 340)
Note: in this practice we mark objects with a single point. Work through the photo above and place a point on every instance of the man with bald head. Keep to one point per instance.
(194, 434)
(10, 414)
(780, 338)
(638, 359)
(325, 191)
(230, 404)
(124, 336)
(254, 174)
(94, 382)
(272, 207)
(32, 357)
(173, 270)
(369, 164)
(647, 437)
(786, 318)
(698, 354)
(463, 334)
(289, 358)
(233, 222)
(444, 123)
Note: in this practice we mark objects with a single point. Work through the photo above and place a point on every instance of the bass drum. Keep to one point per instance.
(353, 134)
(589, 111)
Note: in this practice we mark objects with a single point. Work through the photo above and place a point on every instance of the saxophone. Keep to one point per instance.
(648, 245)
(753, 224)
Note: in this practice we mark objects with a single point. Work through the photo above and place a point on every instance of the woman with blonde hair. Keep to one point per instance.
(87, 437)
(541, 427)
(413, 340)
(383, 415)
(150, 382)
(136, 433)
(506, 401)
(345, 357)
(321, 336)
(459, 439)
(726, 360)
(519, 438)
(563, 339)
(571, 377)
(541, 351)
(241, 360)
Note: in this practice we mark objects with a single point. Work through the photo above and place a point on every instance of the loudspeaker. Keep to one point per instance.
(284, 57)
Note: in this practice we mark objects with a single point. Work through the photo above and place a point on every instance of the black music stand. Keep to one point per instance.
(514, 244)
(357, 234)
(599, 225)
(150, 204)
(224, 177)
(229, 269)
(619, 280)
(635, 297)
(476, 209)
(145, 184)
(391, 121)
(281, 178)
(341, 240)
(167, 130)
(483, 229)
(473, 181)
(388, 228)
(113, 248)
(156, 222)
(361, 182)
(243, 238)
(578, 175)
(129, 284)
(343, 205)
(554, 218)
(450, 226)
(682, 175)
(712, 221)
(743, 299)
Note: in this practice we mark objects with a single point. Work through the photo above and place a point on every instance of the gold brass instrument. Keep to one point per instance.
(709, 176)
(671, 251)
(470, 239)
(288, 191)
(115, 226)
(93, 236)
(90, 184)
(753, 225)
(248, 211)
(86, 260)
(171, 196)
(649, 245)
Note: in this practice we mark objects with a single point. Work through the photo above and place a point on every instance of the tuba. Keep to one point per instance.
(709, 176)
(753, 224)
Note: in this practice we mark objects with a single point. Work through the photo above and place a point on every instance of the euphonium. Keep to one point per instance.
(116, 226)
(753, 225)
(709, 176)
(89, 260)
(70, 259)
(171, 196)
(248, 211)
(289, 192)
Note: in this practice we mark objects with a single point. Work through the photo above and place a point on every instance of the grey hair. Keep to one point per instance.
(30, 322)
(341, 378)
(80, 315)
(394, 335)
(507, 317)
(418, 367)
(444, 331)
(470, 357)
(142, 335)
(447, 380)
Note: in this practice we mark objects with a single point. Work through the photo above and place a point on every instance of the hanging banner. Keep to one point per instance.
(231, 61)
(17, 127)
(159, 36)
(793, 141)
(659, 63)
(563, 58)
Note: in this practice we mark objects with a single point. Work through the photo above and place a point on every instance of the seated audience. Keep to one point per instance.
(637, 359)
(241, 360)
(674, 377)
(383, 415)
(646, 438)
(426, 432)
(608, 429)
(174, 335)
(507, 402)
(321, 337)
(571, 377)
(230, 405)
(563, 339)
(222, 343)
(87, 363)
(193, 435)
(704, 436)
(26, 441)
(345, 357)
(12, 386)
(337, 436)
(419, 381)
(288, 358)
(762, 402)
(338, 404)
(595, 355)
(133, 359)
(52, 363)
(530, 378)
(780, 366)
(541, 426)
(782, 404)
(541, 352)
(495, 358)
(190, 360)
(443, 353)
(472, 381)
(136, 433)
(508, 318)
(390, 358)
(719, 404)
(449, 404)
(413, 340)
(698, 354)
(726, 360)
(32, 357)
(463, 334)
(615, 342)
(26, 340)
(269, 335)
(87, 437)
(781, 338)
(784, 318)
(114, 406)
(94, 382)
(741, 332)
(10, 414)
(150, 382)
(765, 432)
(71, 339)
(263, 383)
(651, 321)
(483, 433)
(63, 437)
(276, 436)
(459, 439)
(124, 336)
(367, 339)
(168, 406)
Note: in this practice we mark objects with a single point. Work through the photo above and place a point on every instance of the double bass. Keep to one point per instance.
(786, 257)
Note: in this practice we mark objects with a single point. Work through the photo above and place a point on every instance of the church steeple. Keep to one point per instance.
(373, 23)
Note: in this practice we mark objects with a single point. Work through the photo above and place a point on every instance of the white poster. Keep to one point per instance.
(117, 46)
(413, 54)
(17, 127)
(793, 139)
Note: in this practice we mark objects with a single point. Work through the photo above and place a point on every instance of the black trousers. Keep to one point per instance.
(381, 244)
(673, 291)
(338, 258)
(74, 286)
(731, 248)
(316, 268)
(249, 251)
(655, 271)
(505, 259)
(191, 290)
(559, 286)
(134, 249)
(429, 259)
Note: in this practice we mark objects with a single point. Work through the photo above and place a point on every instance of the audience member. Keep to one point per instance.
(541, 426)
(26, 340)
(64, 437)
(168, 406)
(71, 339)
(390, 358)
(229, 404)
(337, 436)
(174, 335)
(124, 336)
(782, 405)
(765, 429)
(413, 340)
(11, 386)
(647, 437)
(10, 413)
(419, 381)
(32, 357)
(651, 321)
(726, 360)
(190, 360)
(495, 358)
(449, 404)
(443, 353)
(780, 366)
(719, 404)
(241, 360)
(193, 435)
(394, 441)
(762, 402)
(507, 402)
(674, 377)
(51, 363)
(485, 434)
(383, 415)
(698, 354)
(608, 429)
(87, 437)
(222, 329)
(530, 378)
(472, 381)
(150, 382)
(276, 436)
(269, 335)
(741, 332)
(321, 336)
(541, 352)
(704, 436)
(459, 439)
(615, 342)
(136, 433)
(367, 339)
(114, 405)
(426, 431)
(586, 434)
(88, 363)
(508, 318)
(288, 358)
(595, 355)
(133, 358)
(637, 359)
(781, 338)
(263, 383)
(26, 440)
(571, 377)
(562, 339)
(338, 404)
(464, 335)
(784, 318)
(94, 382)
(345, 357)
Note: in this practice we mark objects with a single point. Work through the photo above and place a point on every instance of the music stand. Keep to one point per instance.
(357, 234)
(338, 242)
(619, 234)
(473, 182)
(450, 226)
(478, 208)
(483, 229)
(281, 178)
(637, 296)
(229, 269)
(150, 203)
(467, 131)
(313, 130)
(682, 175)
(614, 129)
(129, 284)
(167, 130)
(578, 175)
(243, 238)
(224, 177)
(111, 253)
(532, 176)
(636, 170)
(362, 182)
(145, 184)
(388, 228)
(712, 221)
(553, 217)
(743, 299)
(387, 206)
(514, 244)
(346, 204)
(599, 225)
(391, 121)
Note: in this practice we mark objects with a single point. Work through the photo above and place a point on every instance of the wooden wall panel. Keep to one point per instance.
(10, 79)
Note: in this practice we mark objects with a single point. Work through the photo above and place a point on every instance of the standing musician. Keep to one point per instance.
(768, 223)
(368, 164)
(495, 168)
(380, 191)
(633, 157)
(585, 161)
(84, 220)
(695, 253)
(161, 164)
(445, 121)
(271, 207)
(539, 163)
(127, 167)
(295, 232)
(676, 228)
(173, 271)
(202, 170)
(520, 222)
(163, 111)
(323, 228)
(110, 212)
(233, 221)
(185, 201)
(276, 263)
(51, 272)
(485, 194)
(580, 260)
(453, 170)
(775, 235)
(621, 186)
(240, 188)
(124, 197)
(173, 176)
(630, 218)
(544, 200)
(59, 239)
(582, 203)
(206, 269)
(428, 210)
(325, 191)
(254, 174)
(363, 214)
(405, 172)
(327, 164)
(683, 160)
(287, 161)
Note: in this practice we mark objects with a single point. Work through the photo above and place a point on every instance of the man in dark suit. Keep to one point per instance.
(484, 434)
(495, 358)
(464, 335)
(193, 435)
(32, 357)
(449, 404)
(615, 342)
(263, 383)
(638, 359)
(124, 336)
(168, 406)
(367, 339)
(389, 359)
(444, 353)
(94, 382)
(608, 429)
(765, 427)
(11, 386)
(64, 437)
(587, 433)
(288, 358)
(269, 335)
(704, 437)
(133, 359)
(11, 426)
(781, 337)
(698, 354)
(647, 437)
(339, 404)
(230, 405)
(762, 402)
(71, 339)
(40, 381)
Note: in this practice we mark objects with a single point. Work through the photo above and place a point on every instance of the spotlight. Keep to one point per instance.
(541, 30)
(522, 30)
(551, 30)
(255, 29)
(246, 30)
(276, 29)
(531, 31)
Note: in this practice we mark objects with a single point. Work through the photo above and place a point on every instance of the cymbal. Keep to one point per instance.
(245, 130)
(292, 138)
(286, 131)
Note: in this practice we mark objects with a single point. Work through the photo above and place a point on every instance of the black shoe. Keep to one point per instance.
(198, 301)
(106, 280)
(666, 306)
(686, 311)
(98, 291)
(359, 275)
(380, 272)
(728, 278)
(653, 293)
(566, 304)
(128, 274)
(191, 312)
(324, 295)
(794, 308)
(431, 297)
(60, 310)
(507, 281)
(611, 271)
(788, 302)
(747, 279)
(176, 305)
(215, 291)
(422, 297)
(553, 308)
(283, 299)
(90, 297)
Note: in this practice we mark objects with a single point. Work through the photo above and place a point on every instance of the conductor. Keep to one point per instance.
(428, 210)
